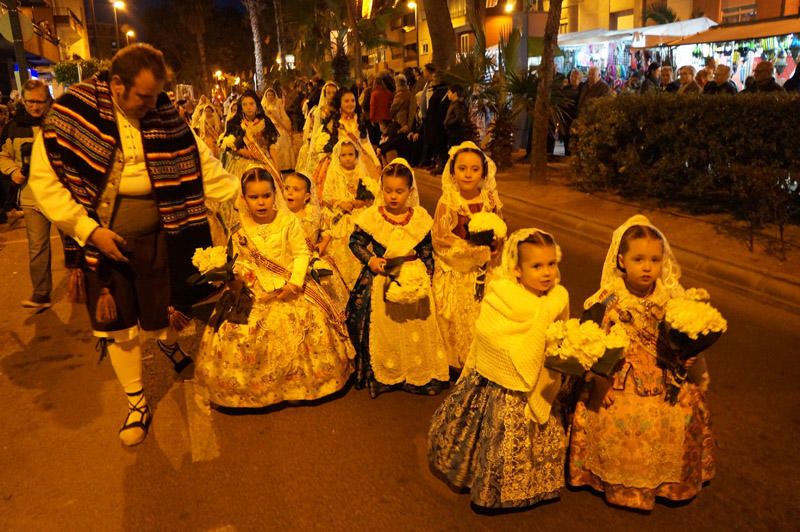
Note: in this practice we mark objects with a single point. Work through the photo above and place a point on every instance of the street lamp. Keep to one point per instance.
(128, 35)
(509, 7)
(413, 5)
(117, 6)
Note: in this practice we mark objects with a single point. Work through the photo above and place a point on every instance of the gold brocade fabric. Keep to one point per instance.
(287, 350)
(641, 446)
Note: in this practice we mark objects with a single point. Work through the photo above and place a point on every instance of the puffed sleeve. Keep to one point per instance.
(299, 251)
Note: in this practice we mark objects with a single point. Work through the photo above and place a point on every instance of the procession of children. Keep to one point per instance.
(334, 274)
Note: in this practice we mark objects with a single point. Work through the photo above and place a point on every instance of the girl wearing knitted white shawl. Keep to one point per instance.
(497, 433)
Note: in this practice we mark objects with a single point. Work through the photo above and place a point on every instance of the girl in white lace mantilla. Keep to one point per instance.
(462, 268)
(352, 183)
(499, 433)
(275, 110)
(397, 341)
(298, 193)
(292, 345)
(629, 440)
(305, 164)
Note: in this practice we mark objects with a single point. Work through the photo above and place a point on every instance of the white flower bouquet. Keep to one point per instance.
(213, 264)
(410, 285)
(573, 347)
(227, 142)
(691, 324)
(484, 227)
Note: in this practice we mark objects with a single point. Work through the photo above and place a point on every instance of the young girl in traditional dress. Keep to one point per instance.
(209, 127)
(391, 316)
(293, 345)
(254, 136)
(499, 433)
(275, 110)
(468, 187)
(352, 183)
(343, 123)
(628, 440)
(307, 160)
(298, 193)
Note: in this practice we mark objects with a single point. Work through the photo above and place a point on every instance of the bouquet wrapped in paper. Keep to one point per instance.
(484, 227)
(409, 285)
(573, 348)
(227, 142)
(319, 268)
(213, 264)
(691, 324)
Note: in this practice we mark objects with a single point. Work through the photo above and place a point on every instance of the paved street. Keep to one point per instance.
(347, 463)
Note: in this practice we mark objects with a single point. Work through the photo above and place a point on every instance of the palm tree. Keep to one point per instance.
(254, 8)
(443, 37)
(660, 13)
(193, 17)
(541, 112)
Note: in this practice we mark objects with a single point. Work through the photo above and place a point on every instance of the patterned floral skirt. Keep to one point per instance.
(480, 440)
(286, 352)
(640, 448)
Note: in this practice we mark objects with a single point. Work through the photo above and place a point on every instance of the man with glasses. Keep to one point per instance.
(15, 160)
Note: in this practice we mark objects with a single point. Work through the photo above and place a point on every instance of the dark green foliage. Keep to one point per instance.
(66, 72)
(341, 68)
(735, 154)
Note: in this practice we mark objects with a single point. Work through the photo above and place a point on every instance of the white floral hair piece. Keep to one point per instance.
(670, 269)
(510, 260)
(413, 198)
(451, 195)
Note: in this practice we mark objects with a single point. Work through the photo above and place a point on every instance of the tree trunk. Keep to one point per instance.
(443, 38)
(541, 111)
(253, 9)
(475, 15)
(356, 40)
(276, 6)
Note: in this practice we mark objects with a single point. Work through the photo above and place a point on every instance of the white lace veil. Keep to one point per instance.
(335, 176)
(670, 270)
(511, 252)
(451, 196)
(322, 102)
(413, 198)
(279, 204)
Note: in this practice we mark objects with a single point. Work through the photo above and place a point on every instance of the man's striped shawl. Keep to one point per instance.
(81, 137)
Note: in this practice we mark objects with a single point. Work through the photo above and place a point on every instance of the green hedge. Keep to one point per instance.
(738, 154)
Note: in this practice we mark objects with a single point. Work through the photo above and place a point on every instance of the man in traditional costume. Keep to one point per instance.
(119, 171)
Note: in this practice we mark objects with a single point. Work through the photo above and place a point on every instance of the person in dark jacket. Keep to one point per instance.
(455, 122)
(435, 133)
(652, 82)
(763, 79)
(722, 83)
(668, 82)
(15, 162)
